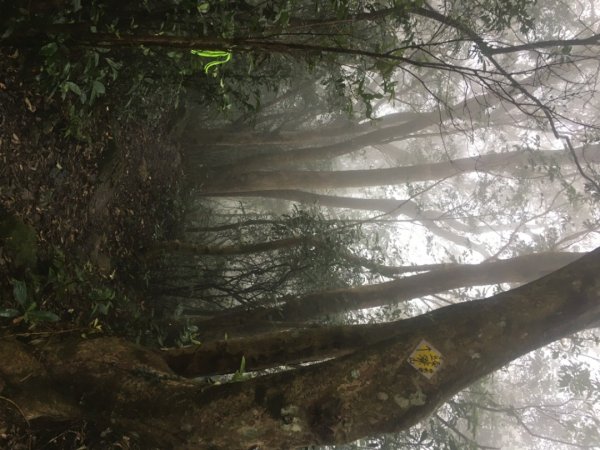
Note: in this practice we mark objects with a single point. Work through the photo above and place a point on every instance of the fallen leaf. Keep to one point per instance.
(30, 107)
(26, 195)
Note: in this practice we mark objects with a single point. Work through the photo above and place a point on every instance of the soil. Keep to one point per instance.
(99, 200)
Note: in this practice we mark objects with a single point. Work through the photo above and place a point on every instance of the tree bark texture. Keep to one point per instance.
(271, 349)
(373, 390)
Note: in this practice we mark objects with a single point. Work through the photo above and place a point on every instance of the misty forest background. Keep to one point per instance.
(182, 173)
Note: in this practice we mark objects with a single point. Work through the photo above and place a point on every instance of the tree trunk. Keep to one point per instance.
(109, 382)
(271, 349)
(243, 249)
(326, 303)
(296, 139)
(389, 128)
(393, 271)
(218, 182)
(389, 206)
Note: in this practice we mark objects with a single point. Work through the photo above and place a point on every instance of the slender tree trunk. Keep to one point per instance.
(109, 382)
(233, 226)
(322, 304)
(389, 206)
(242, 249)
(393, 271)
(327, 152)
(297, 139)
(218, 182)
(393, 127)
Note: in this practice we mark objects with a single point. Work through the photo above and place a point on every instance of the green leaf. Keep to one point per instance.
(7, 33)
(49, 49)
(113, 64)
(9, 313)
(101, 308)
(97, 90)
(20, 292)
(70, 86)
(98, 87)
(102, 294)
(42, 316)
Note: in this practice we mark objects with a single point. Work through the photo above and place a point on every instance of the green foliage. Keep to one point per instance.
(19, 242)
(329, 40)
(83, 79)
(240, 374)
(326, 39)
(327, 243)
(316, 260)
(85, 299)
(343, 77)
(576, 378)
(28, 310)
(497, 15)
(95, 301)
(55, 287)
(102, 301)
(188, 335)
(80, 78)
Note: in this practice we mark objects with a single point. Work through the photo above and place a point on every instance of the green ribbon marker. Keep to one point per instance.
(223, 55)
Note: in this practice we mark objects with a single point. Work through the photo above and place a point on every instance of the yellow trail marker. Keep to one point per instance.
(426, 359)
